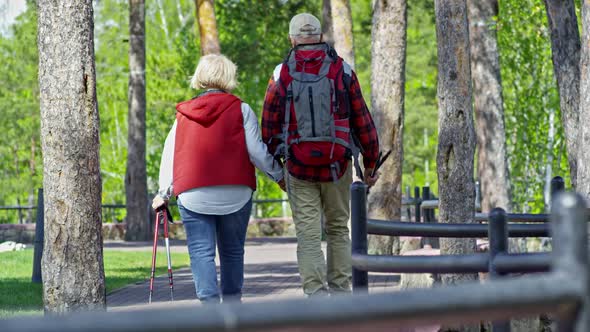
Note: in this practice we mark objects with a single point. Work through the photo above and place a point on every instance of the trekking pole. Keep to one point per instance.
(166, 240)
(154, 251)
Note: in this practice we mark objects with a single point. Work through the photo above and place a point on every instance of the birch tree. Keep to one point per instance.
(342, 29)
(136, 176)
(207, 27)
(327, 29)
(387, 96)
(73, 273)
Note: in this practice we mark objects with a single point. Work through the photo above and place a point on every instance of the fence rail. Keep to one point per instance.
(427, 203)
(497, 230)
(472, 263)
(107, 210)
(569, 217)
(398, 228)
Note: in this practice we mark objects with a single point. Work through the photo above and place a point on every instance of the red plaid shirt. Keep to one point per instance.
(360, 120)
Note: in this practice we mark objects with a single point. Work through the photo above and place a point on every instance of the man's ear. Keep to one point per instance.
(292, 41)
(321, 37)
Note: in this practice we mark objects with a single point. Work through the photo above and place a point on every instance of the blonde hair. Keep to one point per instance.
(215, 71)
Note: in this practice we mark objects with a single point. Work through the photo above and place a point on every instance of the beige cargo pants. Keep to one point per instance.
(308, 200)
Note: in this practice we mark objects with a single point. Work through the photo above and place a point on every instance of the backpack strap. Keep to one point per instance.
(347, 72)
(288, 103)
(285, 143)
(276, 74)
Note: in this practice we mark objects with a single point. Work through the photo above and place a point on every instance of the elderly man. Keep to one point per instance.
(315, 120)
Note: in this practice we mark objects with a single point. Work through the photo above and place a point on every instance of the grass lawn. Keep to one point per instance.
(18, 296)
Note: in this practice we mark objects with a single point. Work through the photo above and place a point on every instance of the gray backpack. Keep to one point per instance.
(315, 80)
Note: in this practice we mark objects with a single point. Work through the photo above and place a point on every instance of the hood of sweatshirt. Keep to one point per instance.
(207, 108)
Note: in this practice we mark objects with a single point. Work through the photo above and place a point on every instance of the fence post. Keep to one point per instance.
(557, 185)
(429, 218)
(253, 212)
(358, 212)
(408, 207)
(284, 203)
(498, 237)
(477, 196)
(20, 214)
(417, 204)
(39, 238)
(426, 196)
(570, 253)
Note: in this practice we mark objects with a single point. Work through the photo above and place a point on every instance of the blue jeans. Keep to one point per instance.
(203, 231)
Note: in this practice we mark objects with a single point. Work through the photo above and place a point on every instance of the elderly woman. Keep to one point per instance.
(208, 164)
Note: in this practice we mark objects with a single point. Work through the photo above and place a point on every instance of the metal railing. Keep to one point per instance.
(563, 292)
(497, 261)
(479, 262)
(428, 204)
(425, 205)
(110, 216)
(109, 211)
(24, 214)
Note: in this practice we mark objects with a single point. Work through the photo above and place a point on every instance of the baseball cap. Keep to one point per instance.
(304, 25)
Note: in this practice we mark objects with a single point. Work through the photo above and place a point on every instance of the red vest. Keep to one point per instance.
(210, 145)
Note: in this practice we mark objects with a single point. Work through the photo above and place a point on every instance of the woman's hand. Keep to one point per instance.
(158, 202)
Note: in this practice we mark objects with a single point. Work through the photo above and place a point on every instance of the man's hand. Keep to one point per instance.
(282, 185)
(371, 180)
(158, 202)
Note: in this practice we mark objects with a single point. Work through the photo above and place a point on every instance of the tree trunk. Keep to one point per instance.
(73, 273)
(387, 96)
(137, 223)
(583, 178)
(342, 29)
(456, 136)
(327, 29)
(207, 27)
(565, 46)
(492, 166)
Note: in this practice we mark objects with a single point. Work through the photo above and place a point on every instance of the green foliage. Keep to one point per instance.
(257, 42)
(171, 53)
(20, 152)
(420, 124)
(255, 37)
(111, 31)
(421, 109)
(361, 29)
(530, 95)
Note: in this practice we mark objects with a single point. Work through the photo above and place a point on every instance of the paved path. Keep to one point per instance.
(270, 273)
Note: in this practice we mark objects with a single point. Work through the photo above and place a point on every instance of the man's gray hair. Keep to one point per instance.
(306, 39)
